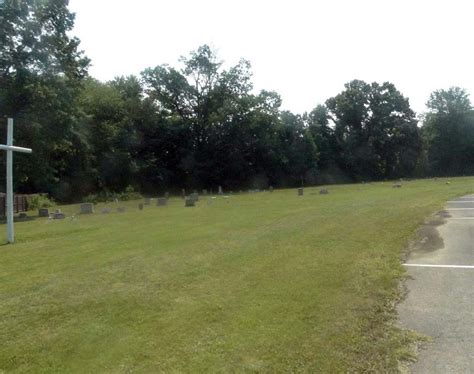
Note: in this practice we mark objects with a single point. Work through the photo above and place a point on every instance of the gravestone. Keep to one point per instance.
(194, 196)
(58, 214)
(204, 192)
(22, 216)
(105, 211)
(167, 195)
(183, 193)
(220, 190)
(140, 206)
(161, 201)
(323, 191)
(397, 185)
(147, 201)
(189, 202)
(87, 208)
(121, 209)
(270, 188)
(300, 192)
(43, 212)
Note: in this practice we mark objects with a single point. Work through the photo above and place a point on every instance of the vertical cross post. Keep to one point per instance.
(9, 148)
(10, 229)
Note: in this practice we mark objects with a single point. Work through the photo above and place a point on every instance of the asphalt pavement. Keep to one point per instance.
(440, 300)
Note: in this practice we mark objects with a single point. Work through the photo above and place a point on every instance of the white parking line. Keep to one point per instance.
(441, 266)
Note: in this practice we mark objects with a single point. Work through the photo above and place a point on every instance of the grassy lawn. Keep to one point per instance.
(257, 282)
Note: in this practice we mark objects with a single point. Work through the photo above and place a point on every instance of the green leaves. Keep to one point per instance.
(448, 132)
(375, 129)
(41, 70)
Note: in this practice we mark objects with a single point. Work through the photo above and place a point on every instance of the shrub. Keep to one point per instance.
(39, 201)
(106, 196)
(129, 194)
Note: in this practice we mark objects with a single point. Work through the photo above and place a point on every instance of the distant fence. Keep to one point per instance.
(20, 204)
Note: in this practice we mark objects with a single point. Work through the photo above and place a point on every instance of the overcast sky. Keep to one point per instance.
(304, 50)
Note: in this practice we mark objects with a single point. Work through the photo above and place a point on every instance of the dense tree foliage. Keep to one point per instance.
(41, 69)
(201, 124)
(449, 133)
(376, 131)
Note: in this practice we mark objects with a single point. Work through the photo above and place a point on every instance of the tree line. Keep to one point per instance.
(200, 125)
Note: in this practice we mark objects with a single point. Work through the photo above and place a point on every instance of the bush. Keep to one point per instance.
(92, 198)
(129, 194)
(107, 196)
(39, 201)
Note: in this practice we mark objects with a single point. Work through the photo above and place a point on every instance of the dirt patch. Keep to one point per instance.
(430, 240)
(443, 214)
(427, 237)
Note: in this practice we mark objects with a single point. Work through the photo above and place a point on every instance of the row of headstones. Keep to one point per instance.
(205, 192)
(88, 208)
(322, 191)
(160, 201)
(190, 201)
(44, 212)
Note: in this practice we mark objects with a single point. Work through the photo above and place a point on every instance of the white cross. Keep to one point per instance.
(9, 148)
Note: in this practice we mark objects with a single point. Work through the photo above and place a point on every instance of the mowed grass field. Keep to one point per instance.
(257, 282)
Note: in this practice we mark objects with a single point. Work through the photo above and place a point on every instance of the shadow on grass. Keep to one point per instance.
(3, 220)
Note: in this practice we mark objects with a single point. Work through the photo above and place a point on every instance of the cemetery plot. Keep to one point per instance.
(257, 282)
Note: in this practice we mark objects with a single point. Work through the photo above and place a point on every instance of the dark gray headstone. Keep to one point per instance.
(59, 215)
(270, 188)
(167, 195)
(189, 202)
(43, 212)
(183, 193)
(194, 196)
(161, 201)
(323, 191)
(397, 185)
(121, 209)
(22, 216)
(105, 211)
(220, 191)
(300, 192)
(204, 192)
(87, 208)
(140, 206)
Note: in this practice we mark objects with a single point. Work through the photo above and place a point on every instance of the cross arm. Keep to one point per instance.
(15, 149)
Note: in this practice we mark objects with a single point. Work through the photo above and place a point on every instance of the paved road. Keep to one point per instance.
(440, 302)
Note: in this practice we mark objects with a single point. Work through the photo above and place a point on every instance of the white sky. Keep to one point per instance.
(304, 50)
